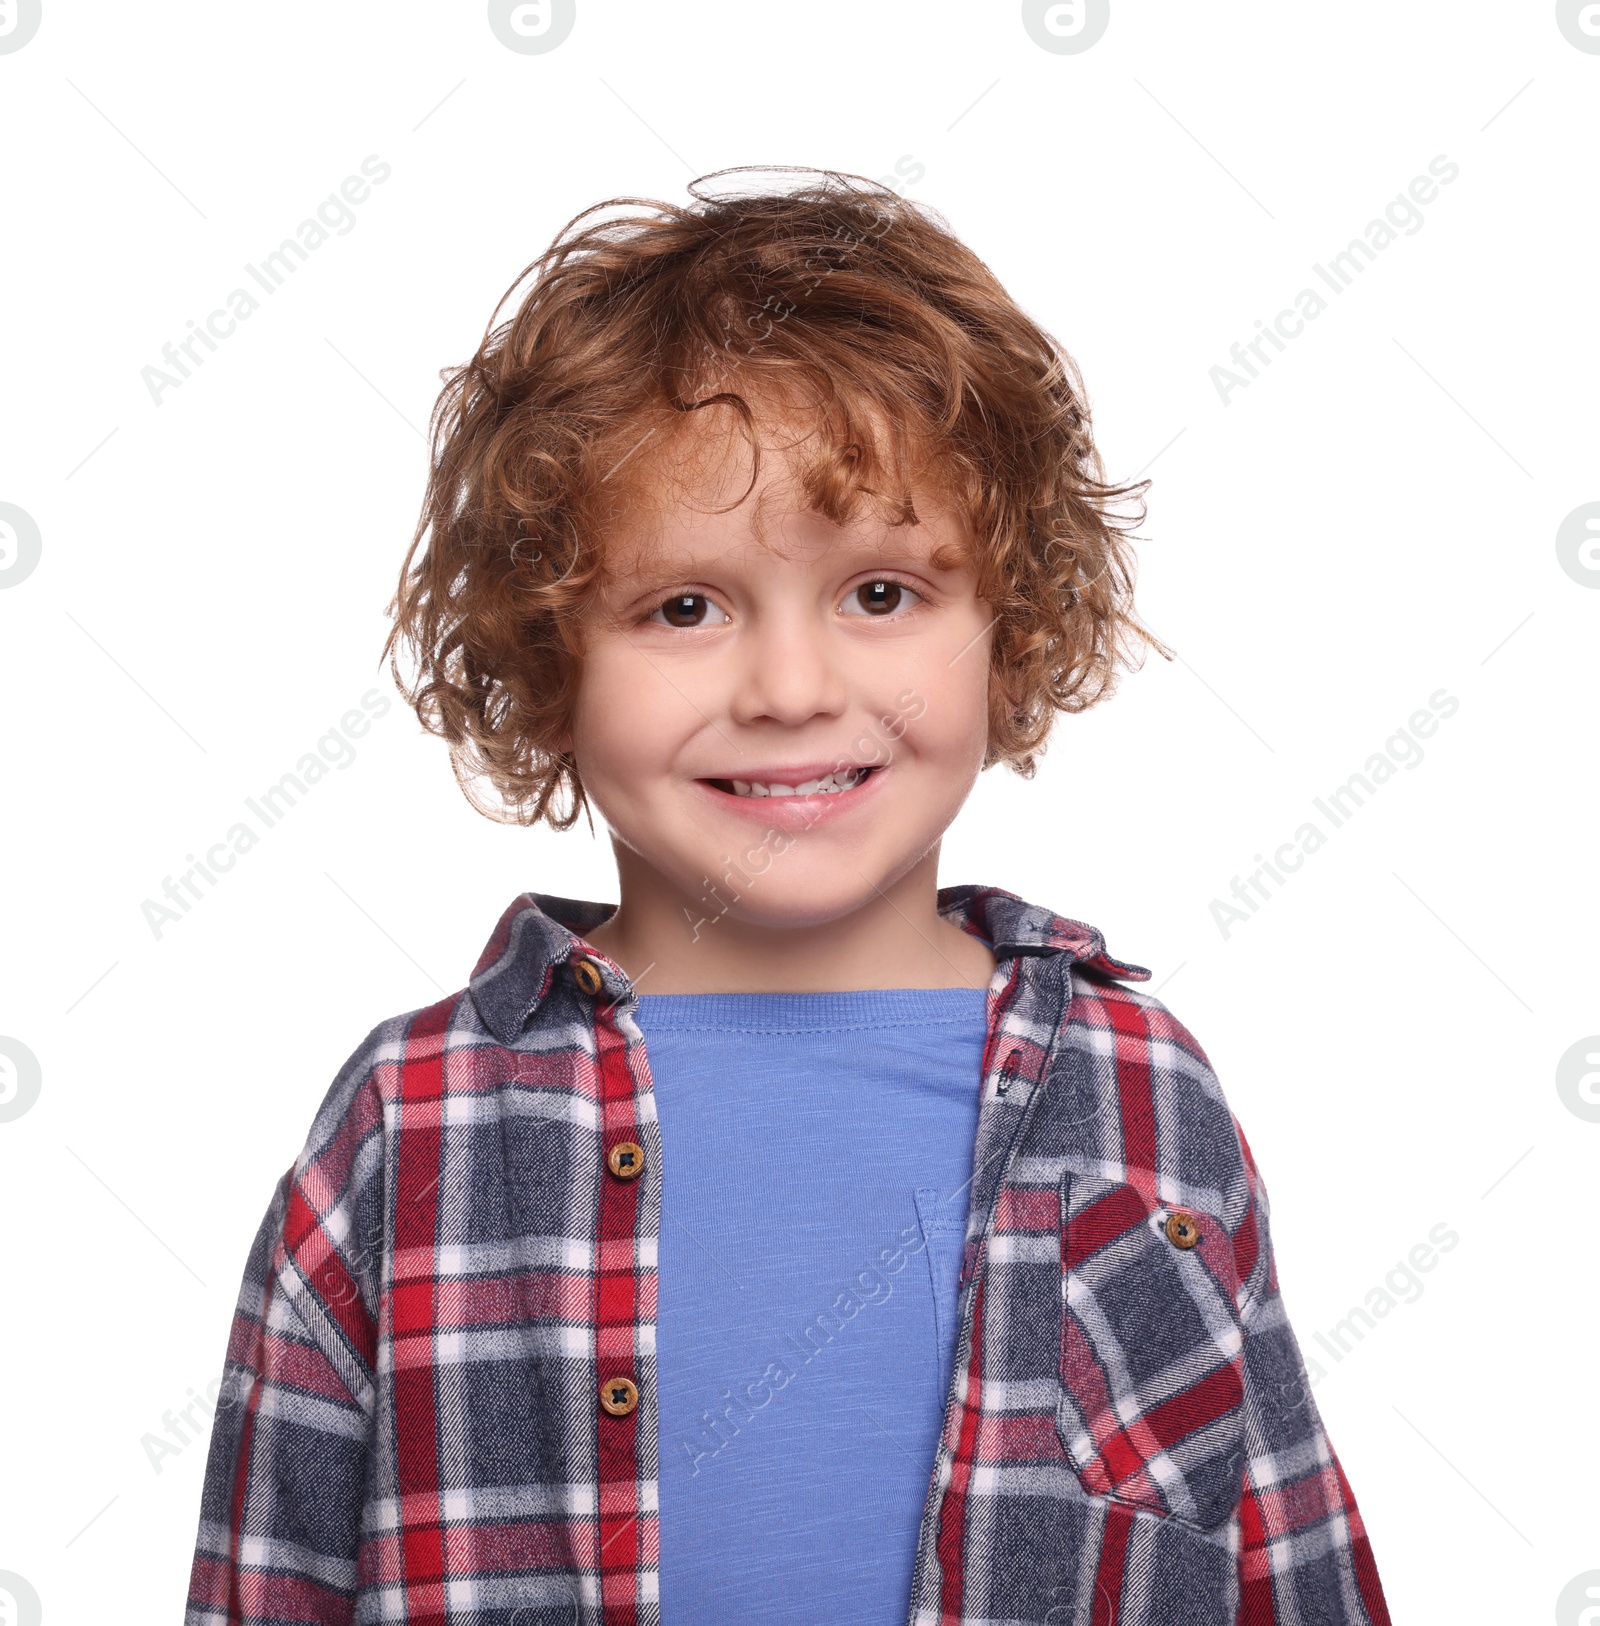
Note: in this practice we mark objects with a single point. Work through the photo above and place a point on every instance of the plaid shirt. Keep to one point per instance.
(440, 1405)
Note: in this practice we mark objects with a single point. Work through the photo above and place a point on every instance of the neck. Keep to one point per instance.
(670, 943)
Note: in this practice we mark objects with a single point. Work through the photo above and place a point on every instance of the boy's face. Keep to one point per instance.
(739, 658)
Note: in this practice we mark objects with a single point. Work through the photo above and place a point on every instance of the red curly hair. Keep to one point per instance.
(858, 311)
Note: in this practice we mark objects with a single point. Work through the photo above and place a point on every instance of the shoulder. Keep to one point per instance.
(1158, 1113)
(411, 1055)
(330, 1225)
(399, 1068)
(1140, 1027)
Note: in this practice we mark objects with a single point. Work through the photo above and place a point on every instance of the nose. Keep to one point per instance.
(789, 671)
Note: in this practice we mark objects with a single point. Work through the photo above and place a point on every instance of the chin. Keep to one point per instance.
(795, 901)
(807, 896)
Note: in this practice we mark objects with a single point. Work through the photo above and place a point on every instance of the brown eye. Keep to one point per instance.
(879, 598)
(685, 610)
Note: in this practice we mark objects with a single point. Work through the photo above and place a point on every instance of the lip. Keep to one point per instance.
(794, 812)
(794, 773)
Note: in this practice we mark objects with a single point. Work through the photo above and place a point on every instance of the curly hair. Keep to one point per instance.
(860, 311)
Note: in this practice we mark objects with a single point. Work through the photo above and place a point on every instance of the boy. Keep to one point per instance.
(794, 1240)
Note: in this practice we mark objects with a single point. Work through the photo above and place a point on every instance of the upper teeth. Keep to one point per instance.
(826, 786)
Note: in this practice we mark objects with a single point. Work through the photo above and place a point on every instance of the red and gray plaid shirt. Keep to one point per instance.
(440, 1399)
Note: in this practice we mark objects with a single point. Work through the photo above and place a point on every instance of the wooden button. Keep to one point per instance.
(626, 1160)
(619, 1396)
(1182, 1229)
(587, 975)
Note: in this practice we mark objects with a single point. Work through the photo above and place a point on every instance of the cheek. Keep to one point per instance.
(946, 715)
(612, 736)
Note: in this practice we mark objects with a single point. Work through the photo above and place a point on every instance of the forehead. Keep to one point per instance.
(695, 487)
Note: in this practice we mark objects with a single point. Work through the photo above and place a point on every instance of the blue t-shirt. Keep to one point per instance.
(816, 1160)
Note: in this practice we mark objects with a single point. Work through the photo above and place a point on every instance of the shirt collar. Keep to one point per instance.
(539, 935)
(1011, 926)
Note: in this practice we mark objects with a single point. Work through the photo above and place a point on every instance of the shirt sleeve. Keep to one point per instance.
(281, 1507)
(1304, 1554)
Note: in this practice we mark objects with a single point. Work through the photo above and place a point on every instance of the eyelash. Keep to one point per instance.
(657, 614)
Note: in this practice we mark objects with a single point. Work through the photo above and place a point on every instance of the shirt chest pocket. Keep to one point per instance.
(1151, 1405)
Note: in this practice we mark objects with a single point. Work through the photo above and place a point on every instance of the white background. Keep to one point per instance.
(1372, 520)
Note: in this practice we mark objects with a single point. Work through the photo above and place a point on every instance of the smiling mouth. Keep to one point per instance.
(828, 785)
